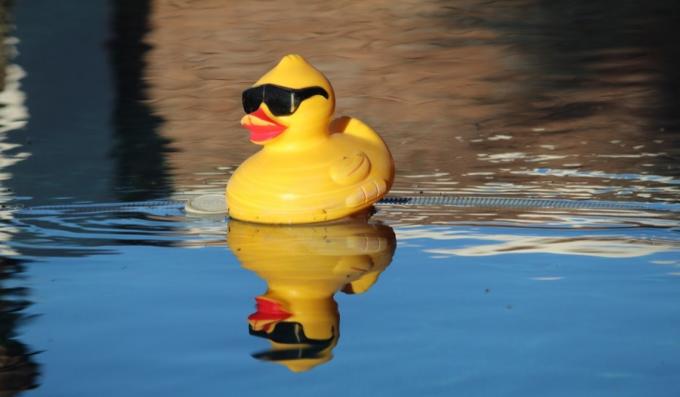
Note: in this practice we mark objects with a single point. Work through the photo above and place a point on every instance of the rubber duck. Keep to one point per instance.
(309, 169)
(304, 266)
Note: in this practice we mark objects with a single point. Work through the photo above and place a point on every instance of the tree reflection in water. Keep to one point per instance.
(18, 370)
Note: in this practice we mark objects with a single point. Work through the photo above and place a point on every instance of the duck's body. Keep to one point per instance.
(340, 175)
(309, 170)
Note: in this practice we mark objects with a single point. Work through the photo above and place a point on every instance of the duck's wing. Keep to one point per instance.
(368, 192)
(355, 168)
(351, 168)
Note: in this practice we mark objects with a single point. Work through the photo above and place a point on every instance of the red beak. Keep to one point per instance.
(268, 309)
(262, 128)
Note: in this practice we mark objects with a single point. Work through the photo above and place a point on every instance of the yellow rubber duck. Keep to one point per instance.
(304, 266)
(309, 168)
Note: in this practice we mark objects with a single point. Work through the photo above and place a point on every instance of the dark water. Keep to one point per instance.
(108, 101)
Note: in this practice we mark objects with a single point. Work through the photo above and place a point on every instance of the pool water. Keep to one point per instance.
(119, 101)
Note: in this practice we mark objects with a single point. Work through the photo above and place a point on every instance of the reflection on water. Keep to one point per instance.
(448, 243)
(522, 98)
(304, 266)
(473, 97)
(18, 370)
(13, 115)
(139, 151)
(90, 135)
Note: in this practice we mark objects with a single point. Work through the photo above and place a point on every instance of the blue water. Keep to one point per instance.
(161, 308)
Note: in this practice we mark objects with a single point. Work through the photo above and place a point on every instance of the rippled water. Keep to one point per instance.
(103, 102)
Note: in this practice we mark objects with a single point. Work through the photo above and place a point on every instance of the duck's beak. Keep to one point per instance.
(262, 128)
(268, 313)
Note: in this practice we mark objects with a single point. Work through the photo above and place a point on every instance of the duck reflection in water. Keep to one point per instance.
(304, 266)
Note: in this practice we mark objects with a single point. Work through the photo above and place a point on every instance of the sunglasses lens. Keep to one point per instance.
(252, 98)
(278, 100)
(281, 101)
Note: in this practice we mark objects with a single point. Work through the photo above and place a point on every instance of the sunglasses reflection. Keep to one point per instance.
(304, 266)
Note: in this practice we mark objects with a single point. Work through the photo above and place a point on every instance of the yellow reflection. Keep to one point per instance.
(304, 266)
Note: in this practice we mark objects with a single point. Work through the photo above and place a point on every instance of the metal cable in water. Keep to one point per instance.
(455, 201)
(514, 202)
(99, 207)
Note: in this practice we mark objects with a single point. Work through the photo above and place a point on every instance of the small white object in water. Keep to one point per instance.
(207, 204)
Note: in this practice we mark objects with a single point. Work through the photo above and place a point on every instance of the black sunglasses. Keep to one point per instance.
(281, 101)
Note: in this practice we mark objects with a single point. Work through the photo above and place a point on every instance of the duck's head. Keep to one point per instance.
(292, 104)
(302, 330)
